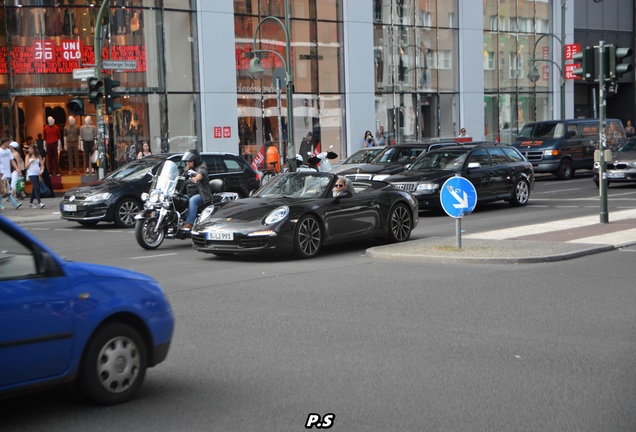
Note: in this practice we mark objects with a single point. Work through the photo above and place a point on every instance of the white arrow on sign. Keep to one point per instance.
(462, 201)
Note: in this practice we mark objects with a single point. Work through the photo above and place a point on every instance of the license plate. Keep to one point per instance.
(220, 236)
(615, 175)
(70, 207)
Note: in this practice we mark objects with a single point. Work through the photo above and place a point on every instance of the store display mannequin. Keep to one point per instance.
(88, 135)
(53, 139)
(71, 142)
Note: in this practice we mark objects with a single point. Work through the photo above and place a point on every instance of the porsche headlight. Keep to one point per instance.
(206, 213)
(277, 215)
(427, 188)
(99, 197)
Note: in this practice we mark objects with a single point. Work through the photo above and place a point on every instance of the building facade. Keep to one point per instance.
(415, 69)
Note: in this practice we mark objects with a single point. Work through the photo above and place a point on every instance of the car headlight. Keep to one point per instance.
(427, 188)
(206, 213)
(99, 197)
(144, 196)
(380, 177)
(597, 165)
(277, 215)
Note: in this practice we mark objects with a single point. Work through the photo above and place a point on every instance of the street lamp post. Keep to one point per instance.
(256, 71)
(98, 44)
(533, 75)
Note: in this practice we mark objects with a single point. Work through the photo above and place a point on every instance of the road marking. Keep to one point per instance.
(154, 256)
(552, 226)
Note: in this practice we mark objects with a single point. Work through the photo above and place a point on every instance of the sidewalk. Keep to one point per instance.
(556, 241)
(51, 210)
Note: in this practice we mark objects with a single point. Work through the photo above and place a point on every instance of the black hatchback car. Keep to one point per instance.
(117, 197)
(498, 172)
(391, 160)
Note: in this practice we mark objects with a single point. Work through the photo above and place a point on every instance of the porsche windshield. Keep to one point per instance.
(452, 160)
(296, 185)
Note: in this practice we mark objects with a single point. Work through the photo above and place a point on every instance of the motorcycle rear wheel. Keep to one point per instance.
(146, 235)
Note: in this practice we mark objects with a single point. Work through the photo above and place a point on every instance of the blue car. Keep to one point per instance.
(64, 321)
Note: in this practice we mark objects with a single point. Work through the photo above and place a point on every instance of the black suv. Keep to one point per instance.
(392, 160)
(498, 172)
(117, 197)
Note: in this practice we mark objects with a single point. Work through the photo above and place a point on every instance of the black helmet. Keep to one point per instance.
(192, 155)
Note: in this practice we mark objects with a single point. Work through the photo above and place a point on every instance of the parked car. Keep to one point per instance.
(561, 147)
(392, 160)
(117, 197)
(359, 158)
(64, 321)
(298, 213)
(621, 168)
(498, 172)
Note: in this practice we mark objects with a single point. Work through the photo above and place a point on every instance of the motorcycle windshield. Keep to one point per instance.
(166, 181)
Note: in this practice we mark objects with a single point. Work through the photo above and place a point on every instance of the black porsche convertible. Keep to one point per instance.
(299, 213)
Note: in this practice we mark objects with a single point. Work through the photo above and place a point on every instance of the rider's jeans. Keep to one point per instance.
(193, 208)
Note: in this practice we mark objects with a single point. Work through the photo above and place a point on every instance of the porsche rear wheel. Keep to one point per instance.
(308, 237)
(400, 224)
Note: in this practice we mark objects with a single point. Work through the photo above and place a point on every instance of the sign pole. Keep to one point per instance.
(98, 74)
(602, 177)
(458, 233)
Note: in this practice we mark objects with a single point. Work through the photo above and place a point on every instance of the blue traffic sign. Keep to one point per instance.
(458, 197)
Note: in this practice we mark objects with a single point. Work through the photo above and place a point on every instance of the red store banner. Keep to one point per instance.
(44, 56)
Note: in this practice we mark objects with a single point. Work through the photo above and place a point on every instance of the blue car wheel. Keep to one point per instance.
(114, 364)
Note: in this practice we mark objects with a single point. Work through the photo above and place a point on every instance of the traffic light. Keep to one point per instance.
(111, 95)
(95, 90)
(587, 69)
(616, 55)
(75, 106)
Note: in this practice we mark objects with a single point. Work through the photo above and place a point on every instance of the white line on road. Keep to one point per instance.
(153, 256)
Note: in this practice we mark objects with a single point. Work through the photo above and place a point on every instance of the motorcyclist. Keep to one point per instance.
(198, 186)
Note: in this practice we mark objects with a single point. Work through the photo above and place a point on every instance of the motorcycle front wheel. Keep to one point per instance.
(146, 235)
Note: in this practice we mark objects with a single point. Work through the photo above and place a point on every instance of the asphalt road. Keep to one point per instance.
(261, 343)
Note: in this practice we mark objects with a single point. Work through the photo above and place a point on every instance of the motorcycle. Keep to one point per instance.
(166, 206)
(319, 162)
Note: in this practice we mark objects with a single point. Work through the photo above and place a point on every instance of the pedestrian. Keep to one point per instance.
(18, 174)
(145, 150)
(368, 140)
(462, 132)
(380, 140)
(34, 170)
(7, 165)
(629, 129)
(71, 142)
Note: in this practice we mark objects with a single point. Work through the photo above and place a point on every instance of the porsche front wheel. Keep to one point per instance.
(307, 237)
(400, 224)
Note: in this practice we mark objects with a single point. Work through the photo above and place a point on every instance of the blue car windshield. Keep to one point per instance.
(452, 160)
(296, 185)
(134, 170)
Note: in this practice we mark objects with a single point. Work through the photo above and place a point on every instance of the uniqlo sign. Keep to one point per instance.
(43, 50)
(227, 132)
(571, 49)
(218, 132)
(569, 71)
(546, 73)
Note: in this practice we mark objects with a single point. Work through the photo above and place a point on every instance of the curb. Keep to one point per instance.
(440, 250)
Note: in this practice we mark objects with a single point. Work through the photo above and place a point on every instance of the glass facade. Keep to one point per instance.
(316, 65)
(514, 34)
(46, 40)
(416, 55)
